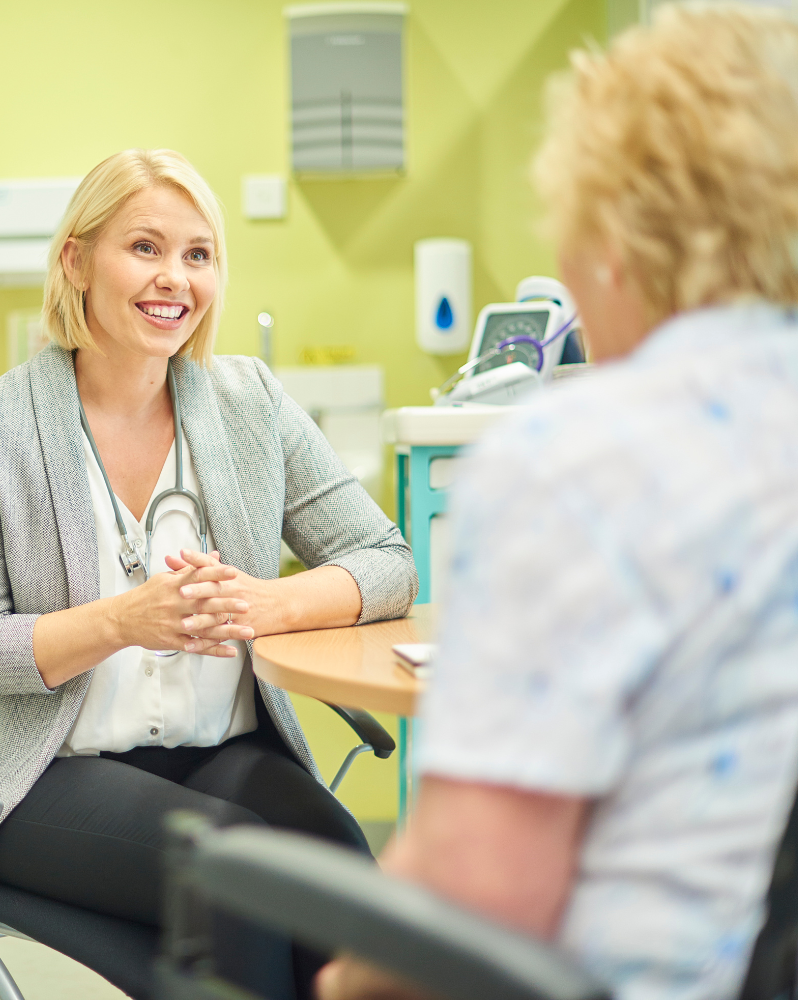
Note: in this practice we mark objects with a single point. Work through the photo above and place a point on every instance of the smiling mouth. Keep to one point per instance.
(169, 313)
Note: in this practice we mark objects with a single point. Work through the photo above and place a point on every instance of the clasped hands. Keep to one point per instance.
(219, 592)
(196, 608)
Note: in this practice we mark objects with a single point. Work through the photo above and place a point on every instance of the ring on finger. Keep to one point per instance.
(229, 618)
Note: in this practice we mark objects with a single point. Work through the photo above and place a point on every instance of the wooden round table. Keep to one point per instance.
(353, 666)
(356, 667)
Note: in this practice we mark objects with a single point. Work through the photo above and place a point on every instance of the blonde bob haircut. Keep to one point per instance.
(678, 149)
(99, 196)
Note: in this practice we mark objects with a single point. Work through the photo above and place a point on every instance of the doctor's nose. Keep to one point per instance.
(172, 275)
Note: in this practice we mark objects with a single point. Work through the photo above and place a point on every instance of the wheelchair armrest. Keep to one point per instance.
(331, 899)
(367, 728)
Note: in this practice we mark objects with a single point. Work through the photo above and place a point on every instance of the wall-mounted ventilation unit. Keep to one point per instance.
(347, 110)
(30, 211)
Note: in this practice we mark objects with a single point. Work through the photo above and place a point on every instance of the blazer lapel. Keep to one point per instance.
(55, 401)
(216, 472)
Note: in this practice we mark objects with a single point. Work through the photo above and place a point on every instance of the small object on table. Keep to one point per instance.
(415, 657)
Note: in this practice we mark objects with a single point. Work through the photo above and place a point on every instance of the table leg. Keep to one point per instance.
(411, 764)
(405, 768)
(402, 483)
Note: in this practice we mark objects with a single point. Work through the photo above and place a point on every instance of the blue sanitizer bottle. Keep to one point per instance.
(444, 317)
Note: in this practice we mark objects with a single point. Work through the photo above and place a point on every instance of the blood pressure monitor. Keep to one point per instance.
(501, 321)
(515, 346)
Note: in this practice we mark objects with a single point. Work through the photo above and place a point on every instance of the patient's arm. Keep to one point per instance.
(506, 853)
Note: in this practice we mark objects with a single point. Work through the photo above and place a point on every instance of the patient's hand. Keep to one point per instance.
(348, 979)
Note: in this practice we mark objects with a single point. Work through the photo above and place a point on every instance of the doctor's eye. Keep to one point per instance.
(198, 254)
(144, 247)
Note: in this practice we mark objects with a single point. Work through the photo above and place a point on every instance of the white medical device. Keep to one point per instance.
(515, 346)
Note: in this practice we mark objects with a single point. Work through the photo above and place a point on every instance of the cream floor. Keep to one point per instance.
(44, 974)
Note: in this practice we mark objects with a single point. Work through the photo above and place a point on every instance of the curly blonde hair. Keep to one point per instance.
(679, 149)
(99, 196)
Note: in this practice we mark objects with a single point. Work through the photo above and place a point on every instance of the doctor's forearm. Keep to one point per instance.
(70, 642)
(325, 597)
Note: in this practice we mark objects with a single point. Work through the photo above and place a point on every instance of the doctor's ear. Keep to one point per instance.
(71, 258)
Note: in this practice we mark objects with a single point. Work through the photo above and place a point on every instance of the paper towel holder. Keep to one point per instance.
(347, 104)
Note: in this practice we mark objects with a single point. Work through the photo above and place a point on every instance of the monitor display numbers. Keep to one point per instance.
(501, 326)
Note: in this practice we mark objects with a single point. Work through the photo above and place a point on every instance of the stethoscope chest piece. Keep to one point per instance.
(131, 560)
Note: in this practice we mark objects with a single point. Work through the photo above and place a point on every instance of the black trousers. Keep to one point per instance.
(89, 833)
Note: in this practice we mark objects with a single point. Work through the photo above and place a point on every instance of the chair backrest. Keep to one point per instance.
(331, 899)
(772, 969)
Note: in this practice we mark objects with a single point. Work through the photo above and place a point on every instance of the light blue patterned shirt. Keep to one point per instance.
(622, 624)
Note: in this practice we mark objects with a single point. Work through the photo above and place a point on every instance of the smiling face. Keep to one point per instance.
(152, 276)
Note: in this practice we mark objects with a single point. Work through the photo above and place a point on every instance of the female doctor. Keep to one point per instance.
(126, 686)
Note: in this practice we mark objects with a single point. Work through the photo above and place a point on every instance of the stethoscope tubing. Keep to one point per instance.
(178, 489)
(130, 558)
(524, 338)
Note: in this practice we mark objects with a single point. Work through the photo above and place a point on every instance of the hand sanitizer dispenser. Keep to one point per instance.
(443, 295)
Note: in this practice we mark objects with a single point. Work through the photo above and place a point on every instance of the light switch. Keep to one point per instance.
(264, 196)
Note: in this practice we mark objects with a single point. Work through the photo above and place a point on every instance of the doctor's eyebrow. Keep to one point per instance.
(160, 236)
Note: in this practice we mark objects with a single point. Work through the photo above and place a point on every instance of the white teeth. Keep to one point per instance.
(165, 312)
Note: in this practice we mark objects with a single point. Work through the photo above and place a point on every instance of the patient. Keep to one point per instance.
(611, 734)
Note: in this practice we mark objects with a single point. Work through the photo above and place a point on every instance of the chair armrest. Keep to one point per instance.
(367, 728)
(330, 899)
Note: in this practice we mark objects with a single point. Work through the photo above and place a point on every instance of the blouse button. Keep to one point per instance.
(148, 671)
(153, 731)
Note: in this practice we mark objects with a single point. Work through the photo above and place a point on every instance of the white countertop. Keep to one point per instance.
(444, 425)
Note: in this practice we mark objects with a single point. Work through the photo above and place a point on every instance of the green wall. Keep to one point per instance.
(209, 78)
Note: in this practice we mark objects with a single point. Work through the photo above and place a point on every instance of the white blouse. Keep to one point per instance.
(136, 698)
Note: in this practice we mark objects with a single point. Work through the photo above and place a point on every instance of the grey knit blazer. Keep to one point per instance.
(265, 471)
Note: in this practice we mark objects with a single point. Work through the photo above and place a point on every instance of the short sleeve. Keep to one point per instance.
(547, 631)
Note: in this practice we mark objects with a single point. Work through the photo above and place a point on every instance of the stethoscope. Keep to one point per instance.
(507, 348)
(130, 556)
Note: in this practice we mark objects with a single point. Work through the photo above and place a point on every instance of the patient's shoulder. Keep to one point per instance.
(569, 425)
(661, 433)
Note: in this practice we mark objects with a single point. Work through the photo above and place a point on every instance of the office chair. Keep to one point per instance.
(121, 951)
(330, 900)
